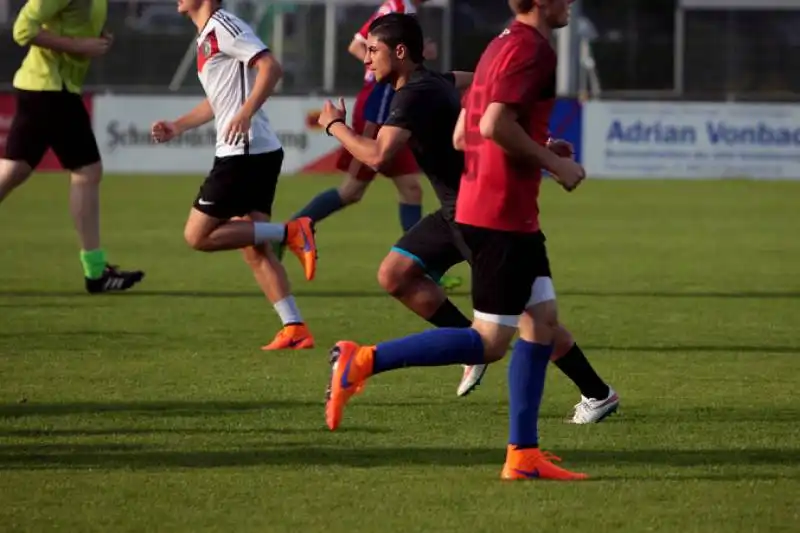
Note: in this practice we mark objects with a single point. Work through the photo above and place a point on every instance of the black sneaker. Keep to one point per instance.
(114, 280)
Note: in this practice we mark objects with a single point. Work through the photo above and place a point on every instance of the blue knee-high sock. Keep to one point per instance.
(525, 387)
(410, 214)
(321, 206)
(435, 347)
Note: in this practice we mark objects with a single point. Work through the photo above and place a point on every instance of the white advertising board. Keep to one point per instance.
(122, 125)
(691, 140)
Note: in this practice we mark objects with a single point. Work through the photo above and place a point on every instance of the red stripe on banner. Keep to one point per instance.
(323, 165)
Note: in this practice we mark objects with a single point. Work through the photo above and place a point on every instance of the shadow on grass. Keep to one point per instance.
(177, 431)
(721, 348)
(189, 409)
(126, 456)
(373, 293)
(165, 408)
(196, 409)
(729, 415)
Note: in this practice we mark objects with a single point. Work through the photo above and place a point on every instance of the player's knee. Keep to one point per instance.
(351, 195)
(14, 173)
(253, 256)
(352, 190)
(495, 338)
(539, 323)
(409, 189)
(196, 240)
(393, 275)
(88, 175)
(494, 348)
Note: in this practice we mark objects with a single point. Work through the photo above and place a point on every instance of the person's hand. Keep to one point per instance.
(568, 173)
(164, 131)
(92, 46)
(561, 148)
(331, 112)
(238, 128)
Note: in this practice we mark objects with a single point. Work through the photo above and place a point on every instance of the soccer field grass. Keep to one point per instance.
(156, 411)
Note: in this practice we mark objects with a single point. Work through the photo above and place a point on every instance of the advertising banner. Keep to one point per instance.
(691, 140)
(122, 125)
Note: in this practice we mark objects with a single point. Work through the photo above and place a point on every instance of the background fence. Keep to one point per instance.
(645, 65)
(707, 49)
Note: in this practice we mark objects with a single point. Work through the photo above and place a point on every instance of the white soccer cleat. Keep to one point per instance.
(591, 411)
(471, 379)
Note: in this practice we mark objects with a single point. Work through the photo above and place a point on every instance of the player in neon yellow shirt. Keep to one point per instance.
(62, 36)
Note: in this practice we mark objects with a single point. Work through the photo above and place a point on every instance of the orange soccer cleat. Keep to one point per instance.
(292, 337)
(532, 463)
(301, 241)
(351, 365)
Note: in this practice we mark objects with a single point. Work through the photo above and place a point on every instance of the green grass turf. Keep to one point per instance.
(156, 411)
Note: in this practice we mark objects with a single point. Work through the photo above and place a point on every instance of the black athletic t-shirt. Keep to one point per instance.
(428, 106)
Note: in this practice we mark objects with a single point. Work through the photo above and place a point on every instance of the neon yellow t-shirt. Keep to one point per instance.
(46, 70)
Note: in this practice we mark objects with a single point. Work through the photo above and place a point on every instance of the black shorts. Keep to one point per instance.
(52, 119)
(505, 266)
(240, 184)
(435, 244)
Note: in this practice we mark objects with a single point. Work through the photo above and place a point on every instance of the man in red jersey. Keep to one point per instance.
(504, 124)
(402, 169)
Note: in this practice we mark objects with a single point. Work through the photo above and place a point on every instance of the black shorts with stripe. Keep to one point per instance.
(240, 184)
(435, 244)
(51, 119)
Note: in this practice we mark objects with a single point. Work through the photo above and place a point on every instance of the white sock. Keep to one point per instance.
(268, 232)
(288, 311)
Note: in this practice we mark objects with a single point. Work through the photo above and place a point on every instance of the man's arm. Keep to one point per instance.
(372, 152)
(201, 114)
(499, 124)
(515, 89)
(28, 27)
(252, 51)
(358, 48)
(460, 131)
(268, 73)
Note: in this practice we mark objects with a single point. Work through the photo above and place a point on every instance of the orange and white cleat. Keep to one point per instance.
(351, 365)
(532, 463)
(292, 337)
(301, 241)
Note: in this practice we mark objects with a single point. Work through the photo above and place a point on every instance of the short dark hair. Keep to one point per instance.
(400, 28)
(520, 7)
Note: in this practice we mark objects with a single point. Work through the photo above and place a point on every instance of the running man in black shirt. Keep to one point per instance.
(423, 115)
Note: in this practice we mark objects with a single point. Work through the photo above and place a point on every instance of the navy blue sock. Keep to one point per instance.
(321, 206)
(525, 387)
(410, 214)
(435, 347)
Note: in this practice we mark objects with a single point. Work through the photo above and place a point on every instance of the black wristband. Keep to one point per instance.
(331, 123)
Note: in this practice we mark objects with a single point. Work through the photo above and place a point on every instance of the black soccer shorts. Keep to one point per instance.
(435, 244)
(52, 119)
(510, 271)
(240, 184)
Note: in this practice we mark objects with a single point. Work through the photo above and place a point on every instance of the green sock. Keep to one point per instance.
(94, 263)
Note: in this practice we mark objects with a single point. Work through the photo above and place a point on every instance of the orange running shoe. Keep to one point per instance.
(532, 463)
(292, 337)
(351, 365)
(301, 241)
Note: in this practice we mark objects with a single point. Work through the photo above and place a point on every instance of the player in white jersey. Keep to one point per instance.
(234, 205)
